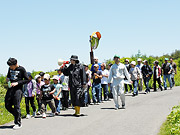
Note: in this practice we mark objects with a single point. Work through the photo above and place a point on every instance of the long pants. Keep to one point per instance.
(39, 102)
(51, 105)
(159, 82)
(65, 99)
(126, 87)
(31, 101)
(105, 89)
(146, 82)
(96, 91)
(140, 84)
(172, 79)
(135, 85)
(77, 96)
(169, 79)
(87, 96)
(110, 92)
(13, 97)
(118, 89)
(58, 105)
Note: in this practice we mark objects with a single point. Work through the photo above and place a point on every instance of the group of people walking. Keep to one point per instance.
(77, 80)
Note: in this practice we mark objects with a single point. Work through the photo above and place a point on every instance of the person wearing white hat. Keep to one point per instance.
(104, 81)
(46, 96)
(140, 81)
(96, 86)
(39, 84)
(117, 74)
(135, 75)
(57, 94)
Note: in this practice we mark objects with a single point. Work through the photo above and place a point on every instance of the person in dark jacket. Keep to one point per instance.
(77, 82)
(16, 78)
(147, 73)
(128, 66)
(167, 69)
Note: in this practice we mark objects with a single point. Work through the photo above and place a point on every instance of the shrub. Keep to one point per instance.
(172, 124)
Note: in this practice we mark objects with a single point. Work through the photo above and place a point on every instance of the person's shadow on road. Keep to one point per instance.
(6, 127)
(108, 108)
(71, 115)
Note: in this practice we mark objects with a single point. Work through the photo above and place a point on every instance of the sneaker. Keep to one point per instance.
(116, 108)
(123, 107)
(38, 113)
(28, 116)
(133, 95)
(51, 115)
(34, 114)
(16, 126)
(57, 113)
(43, 115)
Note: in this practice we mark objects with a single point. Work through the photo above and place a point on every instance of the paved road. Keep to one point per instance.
(143, 116)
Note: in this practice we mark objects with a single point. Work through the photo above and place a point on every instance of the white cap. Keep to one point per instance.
(133, 63)
(55, 77)
(47, 76)
(96, 65)
(139, 59)
(37, 76)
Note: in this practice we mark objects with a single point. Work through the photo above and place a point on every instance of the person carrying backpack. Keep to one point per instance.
(135, 75)
(167, 69)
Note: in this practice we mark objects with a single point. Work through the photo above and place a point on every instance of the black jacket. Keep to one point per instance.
(147, 70)
(77, 75)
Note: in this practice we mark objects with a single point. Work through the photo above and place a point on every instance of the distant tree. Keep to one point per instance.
(138, 55)
(176, 54)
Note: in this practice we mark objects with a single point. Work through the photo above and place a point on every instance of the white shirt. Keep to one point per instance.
(104, 79)
(89, 76)
(118, 73)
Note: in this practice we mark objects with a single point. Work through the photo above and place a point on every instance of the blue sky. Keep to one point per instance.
(39, 32)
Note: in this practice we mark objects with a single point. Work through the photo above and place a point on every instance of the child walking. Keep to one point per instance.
(30, 90)
(39, 84)
(46, 96)
(57, 94)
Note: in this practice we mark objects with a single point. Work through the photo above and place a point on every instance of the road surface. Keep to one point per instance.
(143, 115)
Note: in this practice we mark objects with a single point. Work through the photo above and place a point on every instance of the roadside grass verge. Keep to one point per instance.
(172, 125)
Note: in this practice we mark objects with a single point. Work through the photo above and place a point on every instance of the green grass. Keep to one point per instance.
(172, 125)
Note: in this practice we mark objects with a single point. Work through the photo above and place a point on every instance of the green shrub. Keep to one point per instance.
(172, 124)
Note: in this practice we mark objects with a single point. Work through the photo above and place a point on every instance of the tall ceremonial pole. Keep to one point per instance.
(94, 42)
(91, 53)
